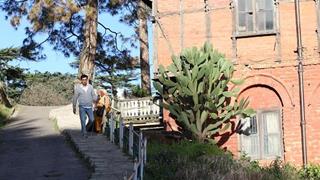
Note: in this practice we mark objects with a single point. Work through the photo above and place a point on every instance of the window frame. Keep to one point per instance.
(260, 128)
(256, 31)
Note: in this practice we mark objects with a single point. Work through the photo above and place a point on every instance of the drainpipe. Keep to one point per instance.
(301, 83)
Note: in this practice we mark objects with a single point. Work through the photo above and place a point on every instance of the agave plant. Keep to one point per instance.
(195, 89)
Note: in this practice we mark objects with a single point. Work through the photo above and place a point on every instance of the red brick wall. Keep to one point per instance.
(221, 30)
(272, 84)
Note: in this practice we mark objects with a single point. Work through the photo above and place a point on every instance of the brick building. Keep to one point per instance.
(259, 37)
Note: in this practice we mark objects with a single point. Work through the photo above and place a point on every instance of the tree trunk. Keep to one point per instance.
(88, 52)
(144, 47)
(114, 91)
(3, 95)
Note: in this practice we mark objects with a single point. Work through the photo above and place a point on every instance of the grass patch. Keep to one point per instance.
(5, 113)
(55, 124)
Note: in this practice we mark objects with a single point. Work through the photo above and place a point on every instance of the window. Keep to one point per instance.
(255, 16)
(261, 135)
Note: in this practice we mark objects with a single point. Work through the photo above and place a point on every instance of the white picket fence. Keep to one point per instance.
(129, 140)
(139, 109)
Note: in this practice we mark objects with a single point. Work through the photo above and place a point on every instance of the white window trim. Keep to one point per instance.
(261, 155)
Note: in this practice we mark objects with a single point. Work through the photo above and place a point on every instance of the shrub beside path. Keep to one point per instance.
(105, 158)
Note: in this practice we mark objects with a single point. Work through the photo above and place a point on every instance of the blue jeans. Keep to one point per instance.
(84, 112)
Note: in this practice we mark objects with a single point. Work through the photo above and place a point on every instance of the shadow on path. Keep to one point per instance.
(30, 148)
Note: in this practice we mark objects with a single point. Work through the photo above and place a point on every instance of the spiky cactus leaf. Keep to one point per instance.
(158, 87)
(237, 81)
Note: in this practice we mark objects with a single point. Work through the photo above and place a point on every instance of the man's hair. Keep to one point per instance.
(83, 76)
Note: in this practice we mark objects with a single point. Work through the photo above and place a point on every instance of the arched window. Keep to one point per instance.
(261, 135)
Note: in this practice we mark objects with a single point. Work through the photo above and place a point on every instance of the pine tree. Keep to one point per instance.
(70, 26)
(8, 72)
(136, 13)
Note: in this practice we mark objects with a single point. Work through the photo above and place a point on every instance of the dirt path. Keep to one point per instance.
(31, 148)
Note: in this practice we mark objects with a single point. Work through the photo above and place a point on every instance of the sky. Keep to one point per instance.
(55, 61)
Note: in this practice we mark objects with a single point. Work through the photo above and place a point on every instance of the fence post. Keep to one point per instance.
(109, 124)
(121, 125)
(135, 167)
(112, 129)
(141, 154)
(104, 122)
(145, 151)
(140, 146)
(131, 139)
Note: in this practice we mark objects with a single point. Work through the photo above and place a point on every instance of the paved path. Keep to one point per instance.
(30, 148)
(106, 159)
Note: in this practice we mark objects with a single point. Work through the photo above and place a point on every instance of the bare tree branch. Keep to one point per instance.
(102, 66)
(70, 27)
(113, 32)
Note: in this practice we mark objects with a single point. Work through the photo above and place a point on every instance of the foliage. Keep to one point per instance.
(48, 89)
(66, 25)
(193, 160)
(70, 27)
(277, 169)
(199, 95)
(311, 172)
(9, 72)
(11, 77)
(135, 91)
(128, 11)
(281, 171)
(4, 114)
(63, 21)
(8, 54)
(164, 160)
(190, 149)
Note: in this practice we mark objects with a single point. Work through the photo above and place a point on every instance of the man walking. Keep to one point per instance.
(84, 94)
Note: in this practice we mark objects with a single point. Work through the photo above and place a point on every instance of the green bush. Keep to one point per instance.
(194, 160)
(281, 171)
(167, 161)
(135, 91)
(190, 149)
(4, 114)
(276, 170)
(311, 172)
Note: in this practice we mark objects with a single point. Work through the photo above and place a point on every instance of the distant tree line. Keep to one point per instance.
(47, 89)
(19, 86)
